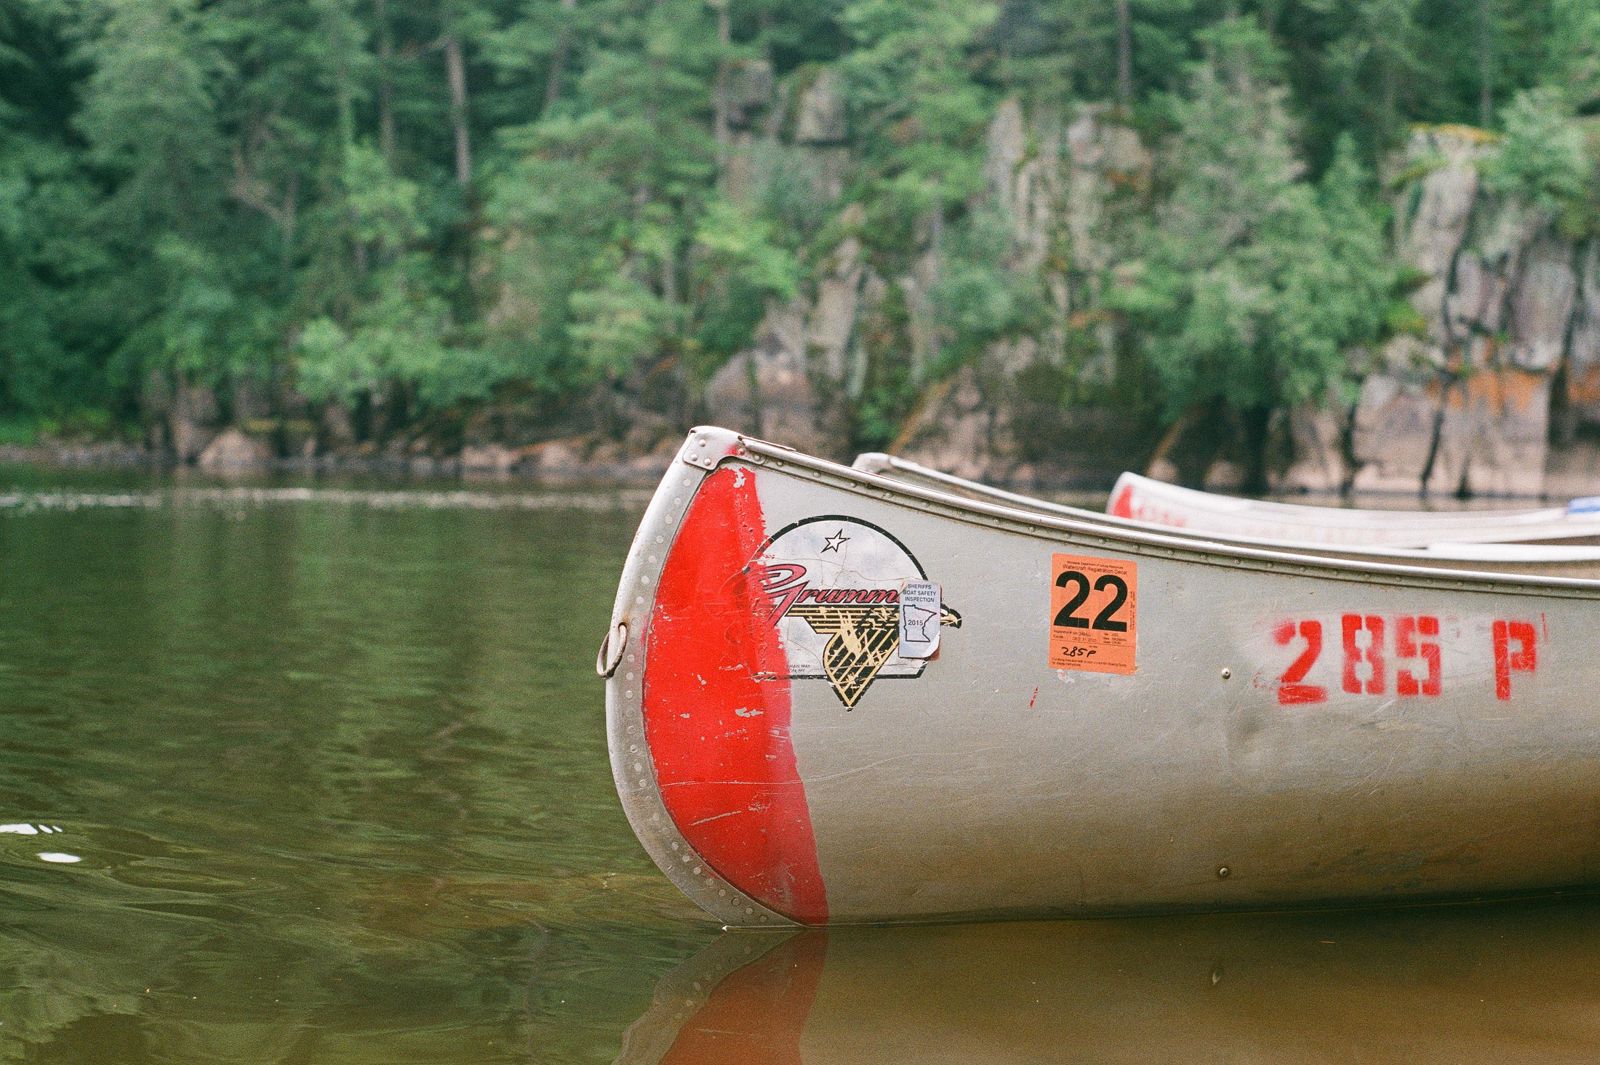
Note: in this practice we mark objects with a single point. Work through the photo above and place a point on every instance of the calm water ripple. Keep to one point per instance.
(329, 766)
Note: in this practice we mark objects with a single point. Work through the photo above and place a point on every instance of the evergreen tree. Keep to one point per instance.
(1573, 53)
(418, 207)
(48, 361)
(1255, 283)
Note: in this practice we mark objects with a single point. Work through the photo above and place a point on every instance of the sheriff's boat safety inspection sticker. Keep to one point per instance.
(1093, 613)
(920, 617)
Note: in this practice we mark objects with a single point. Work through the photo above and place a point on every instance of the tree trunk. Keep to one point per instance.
(456, 71)
(1124, 55)
(719, 120)
(380, 15)
(558, 58)
(1391, 102)
(1257, 425)
(1485, 63)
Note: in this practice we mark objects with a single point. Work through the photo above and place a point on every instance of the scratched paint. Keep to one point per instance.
(717, 710)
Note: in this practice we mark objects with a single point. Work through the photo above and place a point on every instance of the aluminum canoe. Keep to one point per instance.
(1561, 551)
(1160, 503)
(833, 697)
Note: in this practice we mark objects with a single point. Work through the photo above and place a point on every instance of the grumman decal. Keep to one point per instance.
(834, 583)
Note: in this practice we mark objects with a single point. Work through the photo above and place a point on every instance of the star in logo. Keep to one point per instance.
(832, 543)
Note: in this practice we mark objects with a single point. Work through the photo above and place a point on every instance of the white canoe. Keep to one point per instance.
(1160, 503)
(833, 697)
(1570, 550)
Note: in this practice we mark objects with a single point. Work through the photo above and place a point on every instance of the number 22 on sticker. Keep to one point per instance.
(1093, 613)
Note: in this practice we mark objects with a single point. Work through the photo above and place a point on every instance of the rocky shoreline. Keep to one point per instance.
(579, 461)
(571, 461)
(1490, 389)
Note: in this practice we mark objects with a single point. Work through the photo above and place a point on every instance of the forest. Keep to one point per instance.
(450, 220)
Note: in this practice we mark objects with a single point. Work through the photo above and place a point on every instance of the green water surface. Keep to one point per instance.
(301, 773)
(330, 771)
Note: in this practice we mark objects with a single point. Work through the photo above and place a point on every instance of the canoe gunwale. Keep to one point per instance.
(1537, 524)
(1148, 539)
(1538, 547)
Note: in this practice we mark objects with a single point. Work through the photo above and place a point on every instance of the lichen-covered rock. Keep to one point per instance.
(1316, 436)
(250, 401)
(557, 456)
(1432, 232)
(1224, 476)
(192, 422)
(831, 325)
(488, 458)
(820, 112)
(749, 92)
(1507, 307)
(1392, 439)
(1582, 399)
(1573, 470)
(335, 430)
(1107, 158)
(1492, 438)
(768, 389)
(954, 430)
(234, 451)
(1541, 306)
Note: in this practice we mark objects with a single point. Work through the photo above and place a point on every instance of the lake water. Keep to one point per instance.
(318, 774)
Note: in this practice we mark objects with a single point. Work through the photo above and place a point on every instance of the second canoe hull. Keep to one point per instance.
(1160, 503)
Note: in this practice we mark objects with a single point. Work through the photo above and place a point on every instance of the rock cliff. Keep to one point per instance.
(1063, 185)
(1493, 390)
(1510, 341)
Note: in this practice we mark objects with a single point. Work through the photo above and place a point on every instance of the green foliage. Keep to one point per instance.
(242, 190)
(1542, 157)
(978, 299)
(883, 408)
(618, 323)
(19, 431)
(740, 243)
(404, 336)
(1255, 282)
(384, 208)
(1053, 49)
(921, 111)
(1573, 58)
(741, 267)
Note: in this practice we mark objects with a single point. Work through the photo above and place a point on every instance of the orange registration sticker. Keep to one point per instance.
(1093, 613)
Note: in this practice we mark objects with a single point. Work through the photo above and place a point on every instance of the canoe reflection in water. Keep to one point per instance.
(1453, 984)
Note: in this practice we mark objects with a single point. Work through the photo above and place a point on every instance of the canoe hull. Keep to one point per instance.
(1559, 549)
(781, 765)
(1159, 503)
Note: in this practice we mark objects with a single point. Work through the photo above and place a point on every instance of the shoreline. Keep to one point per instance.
(566, 470)
(560, 464)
